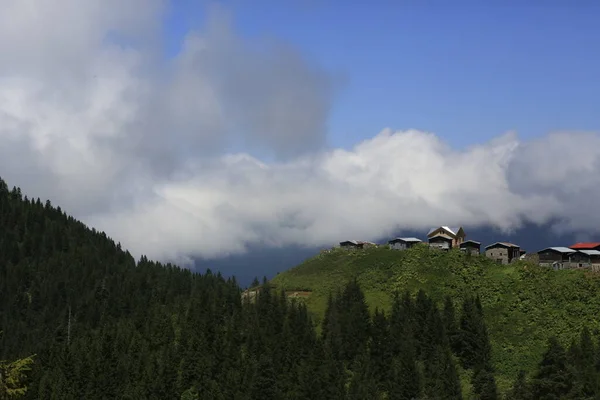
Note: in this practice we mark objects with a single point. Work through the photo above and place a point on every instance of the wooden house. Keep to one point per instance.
(441, 241)
(470, 247)
(356, 244)
(503, 252)
(593, 259)
(403, 243)
(556, 257)
(457, 234)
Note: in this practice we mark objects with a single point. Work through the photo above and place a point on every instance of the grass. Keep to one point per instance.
(523, 303)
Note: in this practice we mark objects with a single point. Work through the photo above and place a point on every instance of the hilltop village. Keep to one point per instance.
(444, 238)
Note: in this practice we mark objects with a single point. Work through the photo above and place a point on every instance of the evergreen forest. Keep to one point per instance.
(82, 319)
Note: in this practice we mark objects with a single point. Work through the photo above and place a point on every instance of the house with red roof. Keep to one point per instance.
(586, 246)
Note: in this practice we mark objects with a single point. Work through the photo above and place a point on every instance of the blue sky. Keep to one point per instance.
(466, 72)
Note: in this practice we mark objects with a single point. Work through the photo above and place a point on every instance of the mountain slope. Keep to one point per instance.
(524, 304)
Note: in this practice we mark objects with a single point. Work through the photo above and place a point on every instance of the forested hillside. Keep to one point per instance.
(99, 325)
(524, 304)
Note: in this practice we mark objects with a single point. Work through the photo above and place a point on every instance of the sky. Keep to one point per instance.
(463, 71)
(190, 129)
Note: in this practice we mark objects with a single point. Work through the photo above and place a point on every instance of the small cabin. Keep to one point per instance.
(503, 252)
(470, 247)
(403, 243)
(356, 244)
(593, 259)
(441, 242)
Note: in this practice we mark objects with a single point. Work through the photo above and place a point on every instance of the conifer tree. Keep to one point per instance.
(401, 324)
(380, 352)
(335, 375)
(581, 359)
(484, 384)
(264, 383)
(355, 321)
(450, 322)
(363, 384)
(332, 328)
(553, 379)
(473, 343)
(520, 389)
(422, 308)
(405, 381)
(12, 377)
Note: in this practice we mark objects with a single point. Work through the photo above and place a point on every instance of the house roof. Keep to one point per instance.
(502, 244)
(590, 252)
(585, 245)
(471, 241)
(452, 230)
(559, 249)
(441, 235)
(405, 239)
(356, 242)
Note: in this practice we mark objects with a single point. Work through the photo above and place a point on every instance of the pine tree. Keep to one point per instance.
(335, 374)
(265, 381)
(405, 381)
(422, 309)
(380, 351)
(581, 362)
(473, 343)
(355, 321)
(450, 322)
(332, 328)
(553, 379)
(484, 384)
(441, 378)
(12, 377)
(312, 377)
(401, 325)
(520, 389)
(363, 384)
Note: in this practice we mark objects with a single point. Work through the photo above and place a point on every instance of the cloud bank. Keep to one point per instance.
(165, 154)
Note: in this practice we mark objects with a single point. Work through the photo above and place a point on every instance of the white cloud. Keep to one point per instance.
(138, 146)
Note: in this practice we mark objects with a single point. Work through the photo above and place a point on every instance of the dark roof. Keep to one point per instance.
(501, 244)
(406, 240)
(471, 242)
(585, 246)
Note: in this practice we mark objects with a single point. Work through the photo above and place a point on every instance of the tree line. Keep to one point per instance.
(82, 319)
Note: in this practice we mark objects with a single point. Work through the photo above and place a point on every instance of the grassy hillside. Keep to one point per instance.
(524, 303)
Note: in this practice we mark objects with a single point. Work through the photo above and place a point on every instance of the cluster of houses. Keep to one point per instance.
(579, 255)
